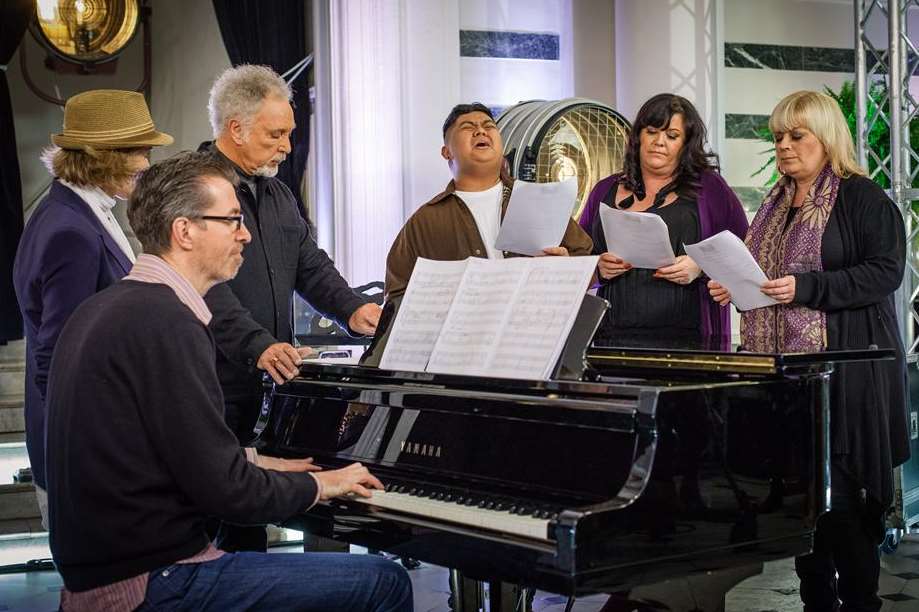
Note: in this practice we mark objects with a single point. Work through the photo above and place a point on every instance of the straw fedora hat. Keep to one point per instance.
(108, 119)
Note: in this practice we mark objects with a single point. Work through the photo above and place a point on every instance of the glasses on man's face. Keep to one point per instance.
(237, 219)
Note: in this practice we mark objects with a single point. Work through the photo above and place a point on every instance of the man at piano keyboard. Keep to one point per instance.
(141, 455)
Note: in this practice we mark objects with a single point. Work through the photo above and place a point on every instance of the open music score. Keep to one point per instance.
(505, 318)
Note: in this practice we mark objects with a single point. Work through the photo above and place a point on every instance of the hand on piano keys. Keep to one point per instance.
(353, 479)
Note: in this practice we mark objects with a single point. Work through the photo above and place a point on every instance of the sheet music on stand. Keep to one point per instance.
(505, 318)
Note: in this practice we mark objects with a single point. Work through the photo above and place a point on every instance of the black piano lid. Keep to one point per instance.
(618, 370)
(623, 384)
(724, 362)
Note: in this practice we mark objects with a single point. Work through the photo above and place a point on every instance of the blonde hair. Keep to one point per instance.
(89, 167)
(820, 114)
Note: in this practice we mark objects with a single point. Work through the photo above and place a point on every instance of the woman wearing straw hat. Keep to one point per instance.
(73, 247)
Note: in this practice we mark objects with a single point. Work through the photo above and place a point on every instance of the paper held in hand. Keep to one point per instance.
(640, 239)
(506, 318)
(537, 216)
(726, 260)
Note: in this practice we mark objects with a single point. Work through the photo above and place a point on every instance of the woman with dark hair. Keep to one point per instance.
(668, 173)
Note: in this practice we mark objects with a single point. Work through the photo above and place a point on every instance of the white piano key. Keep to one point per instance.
(495, 520)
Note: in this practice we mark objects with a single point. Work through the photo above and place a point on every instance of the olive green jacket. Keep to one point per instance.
(444, 229)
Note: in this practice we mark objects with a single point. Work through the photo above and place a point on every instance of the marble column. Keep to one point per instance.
(668, 46)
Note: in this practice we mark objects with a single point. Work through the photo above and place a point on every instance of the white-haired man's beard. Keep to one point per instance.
(271, 168)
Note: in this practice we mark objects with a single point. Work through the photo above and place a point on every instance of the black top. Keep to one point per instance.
(863, 255)
(138, 455)
(645, 309)
(254, 310)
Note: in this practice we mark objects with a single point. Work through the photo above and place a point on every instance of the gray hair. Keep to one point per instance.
(238, 94)
(171, 189)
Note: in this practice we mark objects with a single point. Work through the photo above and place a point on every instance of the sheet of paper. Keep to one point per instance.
(545, 308)
(421, 314)
(725, 259)
(641, 239)
(482, 302)
(511, 318)
(349, 360)
(537, 215)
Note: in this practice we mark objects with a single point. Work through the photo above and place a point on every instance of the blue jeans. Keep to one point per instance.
(327, 582)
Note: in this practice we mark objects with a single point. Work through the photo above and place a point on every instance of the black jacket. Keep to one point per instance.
(863, 255)
(138, 453)
(255, 309)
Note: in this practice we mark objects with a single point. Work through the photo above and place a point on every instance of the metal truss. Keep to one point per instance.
(882, 94)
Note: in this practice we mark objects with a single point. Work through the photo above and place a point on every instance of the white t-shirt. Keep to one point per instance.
(102, 204)
(486, 210)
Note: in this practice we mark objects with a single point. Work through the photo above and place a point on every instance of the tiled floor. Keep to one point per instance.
(774, 590)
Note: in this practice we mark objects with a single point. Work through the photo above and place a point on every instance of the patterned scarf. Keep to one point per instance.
(779, 251)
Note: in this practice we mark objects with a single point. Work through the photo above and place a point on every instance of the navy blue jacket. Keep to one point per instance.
(64, 257)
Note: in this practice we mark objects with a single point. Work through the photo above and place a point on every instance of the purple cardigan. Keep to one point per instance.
(719, 210)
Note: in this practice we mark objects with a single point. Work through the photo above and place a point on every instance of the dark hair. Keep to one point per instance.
(694, 159)
(171, 189)
(462, 109)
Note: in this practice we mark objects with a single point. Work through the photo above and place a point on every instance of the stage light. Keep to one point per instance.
(86, 31)
(548, 141)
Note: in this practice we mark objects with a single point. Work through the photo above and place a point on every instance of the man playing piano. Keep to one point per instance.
(139, 454)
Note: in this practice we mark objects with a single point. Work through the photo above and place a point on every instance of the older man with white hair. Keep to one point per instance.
(252, 120)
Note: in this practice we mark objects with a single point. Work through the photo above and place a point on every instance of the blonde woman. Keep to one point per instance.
(73, 247)
(834, 246)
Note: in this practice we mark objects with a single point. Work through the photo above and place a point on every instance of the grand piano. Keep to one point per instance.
(646, 466)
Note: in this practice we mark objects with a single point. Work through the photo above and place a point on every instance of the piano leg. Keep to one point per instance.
(504, 597)
(315, 543)
(468, 595)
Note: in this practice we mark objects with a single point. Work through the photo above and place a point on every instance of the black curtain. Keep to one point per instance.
(273, 33)
(14, 19)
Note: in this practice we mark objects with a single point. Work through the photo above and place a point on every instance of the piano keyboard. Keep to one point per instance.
(495, 516)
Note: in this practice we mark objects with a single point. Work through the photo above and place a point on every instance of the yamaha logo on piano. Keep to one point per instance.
(423, 450)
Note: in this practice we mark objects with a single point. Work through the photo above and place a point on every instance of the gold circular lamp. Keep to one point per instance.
(86, 31)
(549, 141)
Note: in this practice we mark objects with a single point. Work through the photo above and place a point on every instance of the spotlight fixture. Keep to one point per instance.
(548, 141)
(85, 37)
(86, 31)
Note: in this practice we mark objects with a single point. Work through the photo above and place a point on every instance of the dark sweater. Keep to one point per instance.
(254, 310)
(138, 454)
(863, 252)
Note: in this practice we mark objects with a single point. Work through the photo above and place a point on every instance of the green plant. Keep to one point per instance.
(878, 137)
